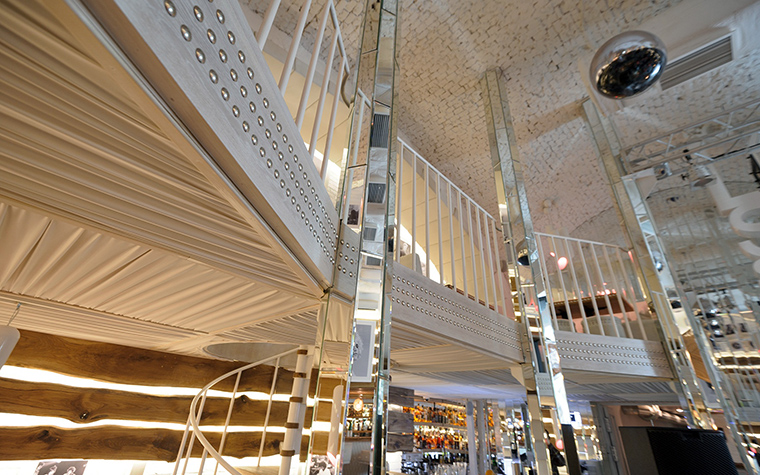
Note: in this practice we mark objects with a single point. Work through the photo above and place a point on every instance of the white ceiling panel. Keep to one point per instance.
(54, 261)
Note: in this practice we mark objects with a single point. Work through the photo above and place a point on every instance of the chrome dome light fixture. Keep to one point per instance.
(628, 64)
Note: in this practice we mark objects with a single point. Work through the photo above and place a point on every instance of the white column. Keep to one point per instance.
(471, 441)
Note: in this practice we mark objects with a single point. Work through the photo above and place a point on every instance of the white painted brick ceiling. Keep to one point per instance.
(447, 45)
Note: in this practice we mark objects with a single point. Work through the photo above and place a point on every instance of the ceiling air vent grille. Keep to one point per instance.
(696, 63)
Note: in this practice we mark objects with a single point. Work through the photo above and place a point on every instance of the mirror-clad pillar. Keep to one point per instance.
(372, 176)
(542, 363)
(608, 148)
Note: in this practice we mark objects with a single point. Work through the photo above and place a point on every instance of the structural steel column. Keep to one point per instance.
(539, 347)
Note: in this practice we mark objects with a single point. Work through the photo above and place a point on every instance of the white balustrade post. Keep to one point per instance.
(472, 446)
(472, 250)
(269, 411)
(451, 239)
(399, 199)
(414, 211)
(578, 293)
(544, 271)
(440, 227)
(287, 69)
(557, 256)
(266, 24)
(461, 241)
(427, 220)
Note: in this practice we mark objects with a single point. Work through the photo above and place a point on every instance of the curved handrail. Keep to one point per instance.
(194, 417)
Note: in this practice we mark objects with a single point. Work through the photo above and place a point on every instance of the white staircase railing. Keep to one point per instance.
(446, 236)
(328, 29)
(591, 287)
(193, 430)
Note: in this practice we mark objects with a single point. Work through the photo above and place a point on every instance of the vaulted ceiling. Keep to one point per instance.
(544, 48)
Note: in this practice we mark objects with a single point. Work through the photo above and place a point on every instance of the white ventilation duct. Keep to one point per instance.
(697, 62)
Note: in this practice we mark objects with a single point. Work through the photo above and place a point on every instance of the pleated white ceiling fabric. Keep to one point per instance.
(82, 283)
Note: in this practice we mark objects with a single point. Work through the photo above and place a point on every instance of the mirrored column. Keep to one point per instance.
(369, 208)
(542, 371)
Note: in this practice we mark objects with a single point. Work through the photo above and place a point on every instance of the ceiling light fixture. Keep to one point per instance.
(701, 177)
(628, 64)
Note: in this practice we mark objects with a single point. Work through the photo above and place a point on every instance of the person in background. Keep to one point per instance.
(555, 456)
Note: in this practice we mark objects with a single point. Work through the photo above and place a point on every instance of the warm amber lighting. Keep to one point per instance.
(358, 404)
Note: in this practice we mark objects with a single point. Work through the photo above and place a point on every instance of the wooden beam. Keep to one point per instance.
(83, 405)
(121, 443)
(128, 365)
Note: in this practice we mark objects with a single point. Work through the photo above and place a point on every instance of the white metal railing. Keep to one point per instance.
(193, 430)
(591, 287)
(327, 16)
(446, 236)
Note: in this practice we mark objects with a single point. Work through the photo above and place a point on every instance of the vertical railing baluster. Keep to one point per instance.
(547, 282)
(266, 24)
(287, 69)
(472, 251)
(427, 221)
(180, 455)
(399, 199)
(616, 284)
(591, 290)
(489, 228)
(440, 226)
(562, 280)
(269, 411)
(227, 420)
(306, 91)
(613, 319)
(562, 283)
(331, 125)
(322, 100)
(414, 212)
(579, 294)
(461, 241)
(632, 293)
(192, 440)
(482, 259)
(451, 238)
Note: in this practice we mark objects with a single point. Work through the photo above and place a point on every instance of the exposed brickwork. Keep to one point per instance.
(544, 48)
(445, 50)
